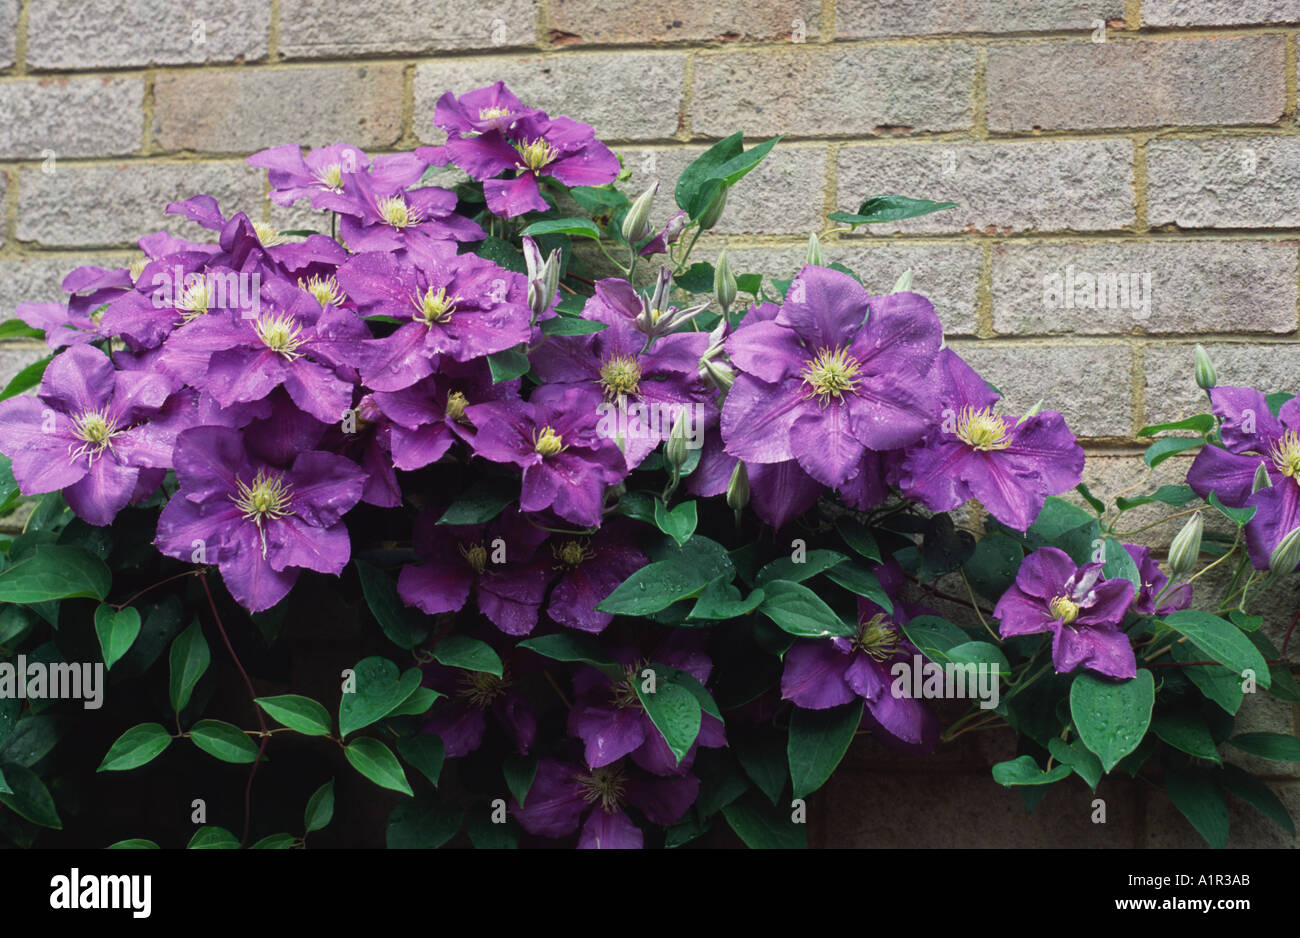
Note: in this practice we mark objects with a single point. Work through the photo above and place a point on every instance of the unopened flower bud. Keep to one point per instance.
(738, 487)
(1206, 376)
(675, 448)
(1286, 556)
(709, 217)
(1262, 479)
(663, 286)
(814, 251)
(724, 283)
(904, 282)
(1031, 412)
(1186, 546)
(718, 373)
(636, 223)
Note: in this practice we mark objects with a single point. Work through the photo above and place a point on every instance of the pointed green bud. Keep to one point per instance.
(1262, 479)
(718, 373)
(1286, 556)
(904, 282)
(724, 283)
(1206, 376)
(1032, 412)
(738, 487)
(1186, 546)
(675, 448)
(636, 223)
(814, 251)
(709, 217)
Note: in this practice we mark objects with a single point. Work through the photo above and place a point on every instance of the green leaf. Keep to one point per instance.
(859, 538)
(1237, 516)
(934, 636)
(469, 654)
(721, 600)
(1095, 503)
(29, 798)
(33, 737)
(1201, 802)
(301, 714)
(275, 842)
(696, 184)
(673, 710)
(679, 523)
(52, 572)
(1023, 770)
(886, 208)
(566, 646)
(502, 253)
(17, 329)
(508, 365)
(798, 611)
(189, 658)
(1111, 718)
(379, 689)
(320, 808)
(992, 568)
(763, 826)
(481, 502)
(376, 762)
(136, 747)
(1079, 759)
(1258, 795)
(764, 760)
(116, 630)
(1214, 681)
(1276, 747)
(1221, 641)
(571, 325)
(978, 653)
(818, 741)
(400, 623)
(860, 582)
(225, 742)
(1187, 733)
(135, 843)
(425, 753)
(422, 824)
(1174, 495)
(687, 569)
(697, 279)
(1119, 564)
(27, 379)
(211, 837)
(574, 227)
(519, 772)
(813, 563)
(1201, 423)
(1162, 449)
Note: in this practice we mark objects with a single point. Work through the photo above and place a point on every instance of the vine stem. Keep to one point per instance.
(252, 696)
(122, 605)
(1286, 639)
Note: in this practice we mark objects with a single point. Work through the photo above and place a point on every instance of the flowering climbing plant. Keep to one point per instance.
(490, 502)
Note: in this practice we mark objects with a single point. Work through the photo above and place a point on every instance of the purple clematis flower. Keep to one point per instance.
(260, 524)
(1153, 585)
(479, 111)
(499, 559)
(104, 437)
(247, 244)
(778, 492)
(390, 218)
(462, 306)
(817, 385)
(563, 793)
(1009, 466)
(553, 437)
(1082, 610)
(61, 325)
(460, 719)
(173, 290)
(533, 146)
(590, 569)
(822, 674)
(1252, 436)
(320, 174)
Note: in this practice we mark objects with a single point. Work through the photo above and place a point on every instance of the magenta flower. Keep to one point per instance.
(590, 569)
(99, 435)
(262, 525)
(1153, 583)
(817, 385)
(1010, 466)
(320, 175)
(1081, 609)
(563, 794)
(553, 437)
(778, 492)
(461, 306)
(479, 111)
(387, 217)
(461, 718)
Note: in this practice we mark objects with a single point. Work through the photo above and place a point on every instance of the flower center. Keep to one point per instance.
(269, 497)
(397, 213)
(624, 694)
(878, 638)
(194, 299)
(331, 177)
(547, 442)
(281, 333)
(492, 113)
(536, 153)
(1065, 609)
(479, 689)
(604, 786)
(571, 554)
(137, 268)
(96, 429)
(456, 404)
(1286, 454)
(831, 374)
(431, 306)
(324, 289)
(620, 375)
(269, 235)
(980, 430)
(475, 555)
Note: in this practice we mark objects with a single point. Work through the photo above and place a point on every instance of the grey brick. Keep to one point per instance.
(1230, 182)
(1042, 185)
(856, 19)
(114, 204)
(1172, 393)
(595, 89)
(75, 34)
(1136, 84)
(640, 21)
(8, 32)
(1218, 12)
(1088, 384)
(814, 91)
(310, 28)
(70, 116)
(37, 279)
(241, 110)
(1189, 286)
(15, 356)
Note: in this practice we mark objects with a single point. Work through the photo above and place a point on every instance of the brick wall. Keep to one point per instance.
(1169, 149)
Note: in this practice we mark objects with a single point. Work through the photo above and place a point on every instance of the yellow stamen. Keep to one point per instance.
(548, 442)
(397, 213)
(878, 637)
(491, 113)
(1065, 609)
(1286, 454)
(269, 497)
(536, 153)
(980, 430)
(456, 404)
(96, 429)
(571, 554)
(269, 235)
(479, 688)
(281, 333)
(331, 177)
(137, 268)
(325, 289)
(475, 555)
(620, 376)
(433, 306)
(604, 786)
(194, 299)
(831, 374)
